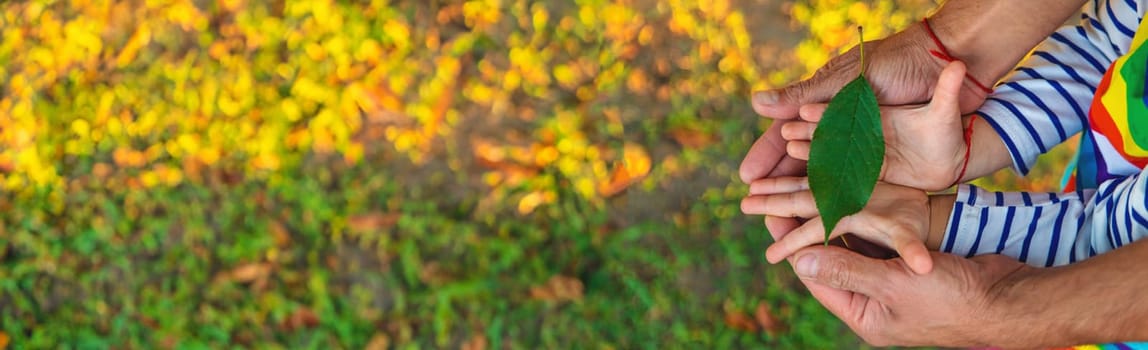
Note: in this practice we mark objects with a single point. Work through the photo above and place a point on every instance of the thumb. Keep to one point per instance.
(784, 103)
(915, 254)
(841, 269)
(947, 93)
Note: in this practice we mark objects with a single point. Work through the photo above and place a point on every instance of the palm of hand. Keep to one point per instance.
(896, 217)
(899, 208)
(925, 147)
(923, 151)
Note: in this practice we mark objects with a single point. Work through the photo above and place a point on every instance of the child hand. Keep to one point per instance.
(896, 217)
(925, 145)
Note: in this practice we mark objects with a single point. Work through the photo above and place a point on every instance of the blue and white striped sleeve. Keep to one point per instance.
(1046, 99)
(1048, 229)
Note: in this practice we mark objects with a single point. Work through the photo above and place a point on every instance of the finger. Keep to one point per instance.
(812, 112)
(792, 205)
(810, 233)
(907, 243)
(972, 97)
(798, 131)
(947, 94)
(916, 255)
(784, 103)
(902, 239)
(769, 104)
(798, 149)
(779, 227)
(789, 166)
(846, 305)
(764, 155)
(842, 269)
(775, 185)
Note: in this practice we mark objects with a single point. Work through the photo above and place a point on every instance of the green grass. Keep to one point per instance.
(408, 247)
(151, 267)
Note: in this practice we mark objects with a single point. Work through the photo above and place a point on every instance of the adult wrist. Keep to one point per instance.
(1020, 311)
(960, 39)
(991, 37)
(1007, 307)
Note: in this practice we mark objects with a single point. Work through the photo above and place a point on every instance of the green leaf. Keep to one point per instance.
(846, 153)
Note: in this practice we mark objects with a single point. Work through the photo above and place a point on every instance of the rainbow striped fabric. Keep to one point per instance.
(1125, 346)
(1116, 144)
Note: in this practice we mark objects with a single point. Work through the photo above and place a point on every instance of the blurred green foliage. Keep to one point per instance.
(333, 174)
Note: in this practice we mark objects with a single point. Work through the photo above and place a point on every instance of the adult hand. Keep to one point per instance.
(899, 68)
(885, 303)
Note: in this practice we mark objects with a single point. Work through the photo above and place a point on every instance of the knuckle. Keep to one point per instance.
(792, 201)
(797, 92)
(842, 64)
(793, 148)
(836, 273)
(807, 129)
(791, 131)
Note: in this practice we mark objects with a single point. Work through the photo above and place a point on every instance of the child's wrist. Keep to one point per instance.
(940, 207)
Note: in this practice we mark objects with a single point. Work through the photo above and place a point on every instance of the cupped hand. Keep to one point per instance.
(887, 304)
(900, 70)
(896, 217)
(925, 145)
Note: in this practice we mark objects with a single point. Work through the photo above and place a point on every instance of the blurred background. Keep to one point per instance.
(480, 174)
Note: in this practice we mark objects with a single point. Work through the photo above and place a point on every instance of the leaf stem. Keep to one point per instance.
(861, 35)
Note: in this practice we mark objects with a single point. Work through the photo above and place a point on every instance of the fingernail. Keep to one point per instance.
(806, 266)
(766, 97)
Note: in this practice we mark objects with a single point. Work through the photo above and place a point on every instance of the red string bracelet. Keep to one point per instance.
(944, 55)
(968, 149)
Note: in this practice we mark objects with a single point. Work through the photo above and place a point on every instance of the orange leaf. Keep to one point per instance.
(740, 321)
(558, 288)
(530, 201)
(250, 272)
(193, 169)
(692, 138)
(380, 341)
(634, 166)
(279, 232)
(301, 318)
(766, 320)
(4, 340)
(373, 221)
(477, 342)
(128, 158)
(101, 170)
(487, 153)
